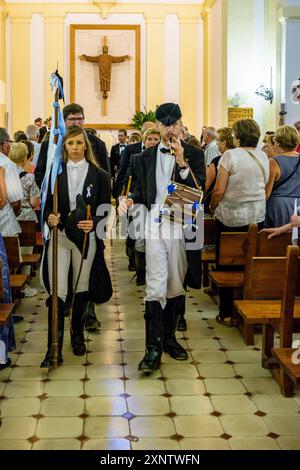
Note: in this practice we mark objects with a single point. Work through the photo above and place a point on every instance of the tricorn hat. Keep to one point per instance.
(75, 234)
(168, 113)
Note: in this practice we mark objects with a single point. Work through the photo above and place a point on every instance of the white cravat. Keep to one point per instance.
(76, 177)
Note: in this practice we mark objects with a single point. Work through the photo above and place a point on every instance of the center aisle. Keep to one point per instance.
(220, 398)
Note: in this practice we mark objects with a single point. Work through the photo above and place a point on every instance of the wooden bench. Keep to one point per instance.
(5, 309)
(28, 238)
(17, 281)
(287, 357)
(233, 252)
(259, 246)
(267, 280)
(238, 249)
(289, 370)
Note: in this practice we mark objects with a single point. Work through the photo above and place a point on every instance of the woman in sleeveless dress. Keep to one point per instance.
(283, 186)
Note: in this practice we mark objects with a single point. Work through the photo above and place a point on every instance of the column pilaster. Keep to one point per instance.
(2, 64)
(54, 52)
(20, 71)
(155, 28)
(189, 57)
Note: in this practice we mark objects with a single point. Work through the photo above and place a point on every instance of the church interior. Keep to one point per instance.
(222, 61)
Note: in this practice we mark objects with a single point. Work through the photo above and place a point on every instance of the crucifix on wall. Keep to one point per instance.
(105, 62)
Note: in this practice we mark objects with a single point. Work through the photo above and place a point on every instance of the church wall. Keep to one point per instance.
(171, 52)
(217, 116)
(289, 18)
(2, 64)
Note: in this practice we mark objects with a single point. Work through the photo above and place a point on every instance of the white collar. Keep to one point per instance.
(81, 164)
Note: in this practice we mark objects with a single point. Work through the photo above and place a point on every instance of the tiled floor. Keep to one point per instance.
(220, 398)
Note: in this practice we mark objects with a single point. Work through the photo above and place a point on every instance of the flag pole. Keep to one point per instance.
(54, 322)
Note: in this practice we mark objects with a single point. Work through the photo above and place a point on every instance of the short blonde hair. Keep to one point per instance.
(287, 137)
(18, 153)
(225, 135)
(151, 130)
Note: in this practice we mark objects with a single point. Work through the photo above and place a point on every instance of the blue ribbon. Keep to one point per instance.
(55, 168)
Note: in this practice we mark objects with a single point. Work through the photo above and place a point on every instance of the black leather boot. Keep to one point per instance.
(140, 263)
(61, 323)
(154, 337)
(77, 336)
(91, 321)
(180, 307)
(171, 346)
(130, 252)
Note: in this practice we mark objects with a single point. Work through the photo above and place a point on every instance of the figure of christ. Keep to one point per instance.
(104, 62)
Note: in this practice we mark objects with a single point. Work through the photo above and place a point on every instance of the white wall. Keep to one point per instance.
(291, 67)
(246, 69)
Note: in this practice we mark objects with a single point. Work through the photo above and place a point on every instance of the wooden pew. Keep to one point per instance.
(17, 281)
(28, 238)
(268, 279)
(5, 309)
(288, 357)
(258, 246)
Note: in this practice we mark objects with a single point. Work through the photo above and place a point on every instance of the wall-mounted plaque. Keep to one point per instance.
(235, 114)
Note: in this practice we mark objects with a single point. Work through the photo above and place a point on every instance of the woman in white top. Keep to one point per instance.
(239, 197)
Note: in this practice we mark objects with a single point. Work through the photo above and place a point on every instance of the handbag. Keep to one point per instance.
(183, 201)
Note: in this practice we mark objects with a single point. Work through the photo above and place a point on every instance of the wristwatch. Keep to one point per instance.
(182, 167)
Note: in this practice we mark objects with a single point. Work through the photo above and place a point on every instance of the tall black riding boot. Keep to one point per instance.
(130, 252)
(140, 263)
(61, 322)
(180, 307)
(77, 336)
(154, 337)
(171, 314)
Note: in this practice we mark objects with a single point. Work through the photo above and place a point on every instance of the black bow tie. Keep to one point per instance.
(166, 150)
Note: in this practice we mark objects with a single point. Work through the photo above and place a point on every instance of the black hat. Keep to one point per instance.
(168, 113)
(75, 234)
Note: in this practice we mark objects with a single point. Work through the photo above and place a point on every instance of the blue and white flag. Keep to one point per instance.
(54, 155)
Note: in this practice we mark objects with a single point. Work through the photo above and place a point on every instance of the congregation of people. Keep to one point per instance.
(247, 178)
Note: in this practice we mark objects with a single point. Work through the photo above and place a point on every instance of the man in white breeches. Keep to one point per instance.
(166, 261)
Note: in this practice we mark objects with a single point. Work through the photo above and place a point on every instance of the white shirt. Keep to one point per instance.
(211, 152)
(37, 148)
(9, 225)
(244, 201)
(77, 173)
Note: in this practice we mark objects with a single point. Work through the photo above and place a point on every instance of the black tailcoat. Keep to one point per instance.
(145, 193)
(125, 159)
(98, 181)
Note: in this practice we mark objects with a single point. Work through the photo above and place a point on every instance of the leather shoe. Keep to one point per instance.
(7, 364)
(77, 342)
(174, 349)
(47, 362)
(181, 326)
(151, 360)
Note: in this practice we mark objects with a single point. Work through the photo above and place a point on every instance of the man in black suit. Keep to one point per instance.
(73, 115)
(116, 152)
(166, 255)
(131, 149)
